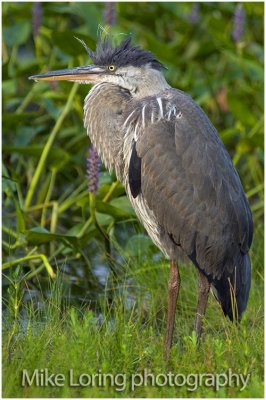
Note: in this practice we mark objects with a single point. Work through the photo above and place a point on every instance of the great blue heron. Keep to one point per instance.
(176, 171)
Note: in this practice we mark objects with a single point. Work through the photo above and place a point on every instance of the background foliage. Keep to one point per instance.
(52, 226)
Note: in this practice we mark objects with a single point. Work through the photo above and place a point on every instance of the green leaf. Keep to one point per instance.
(117, 213)
(104, 219)
(39, 235)
(26, 133)
(124, 204)
(17, 33)
(9, 185)
(58, 156)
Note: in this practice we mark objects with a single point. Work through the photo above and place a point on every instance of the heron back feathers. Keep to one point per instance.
(189, 182)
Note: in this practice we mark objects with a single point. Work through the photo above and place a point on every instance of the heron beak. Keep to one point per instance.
(87, 74)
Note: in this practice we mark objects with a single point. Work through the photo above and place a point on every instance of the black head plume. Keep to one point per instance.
(121, 55)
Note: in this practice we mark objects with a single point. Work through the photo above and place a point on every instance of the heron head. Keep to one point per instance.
(125, 65)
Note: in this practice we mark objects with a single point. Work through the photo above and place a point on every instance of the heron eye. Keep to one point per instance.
(111, 67)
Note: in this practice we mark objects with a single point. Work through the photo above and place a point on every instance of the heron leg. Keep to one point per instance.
(203, 293)
(173, 290)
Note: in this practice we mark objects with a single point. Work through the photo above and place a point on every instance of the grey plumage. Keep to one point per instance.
(176, 171)
(187, 180)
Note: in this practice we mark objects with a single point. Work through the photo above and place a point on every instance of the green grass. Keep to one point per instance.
(125, 336)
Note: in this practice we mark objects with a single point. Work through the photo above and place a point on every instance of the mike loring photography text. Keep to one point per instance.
(120, 381)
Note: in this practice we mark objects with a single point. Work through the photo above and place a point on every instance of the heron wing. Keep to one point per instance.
(189, 182)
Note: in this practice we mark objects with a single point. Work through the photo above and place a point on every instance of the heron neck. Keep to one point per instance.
(151, 85)
(103, 108)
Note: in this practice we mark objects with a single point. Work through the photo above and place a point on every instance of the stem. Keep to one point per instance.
(27, 100)
(48, 146)
(40, 206)
(34, 257)
(69, 191)
(4, 51)
(48, 195)
(104, 234)
(94, 218)
(13, 246)
(10, 232)
(111, 191)
(71, 200)
(53, 224)
(34, 273)
(54, 217)
(85, 227)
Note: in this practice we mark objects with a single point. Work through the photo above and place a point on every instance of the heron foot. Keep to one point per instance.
(173, 290)
(203, 294)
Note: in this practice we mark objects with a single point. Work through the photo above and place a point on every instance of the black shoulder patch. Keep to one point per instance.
(134, 172)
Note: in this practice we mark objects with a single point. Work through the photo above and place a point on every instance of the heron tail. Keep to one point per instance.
(232, 291)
